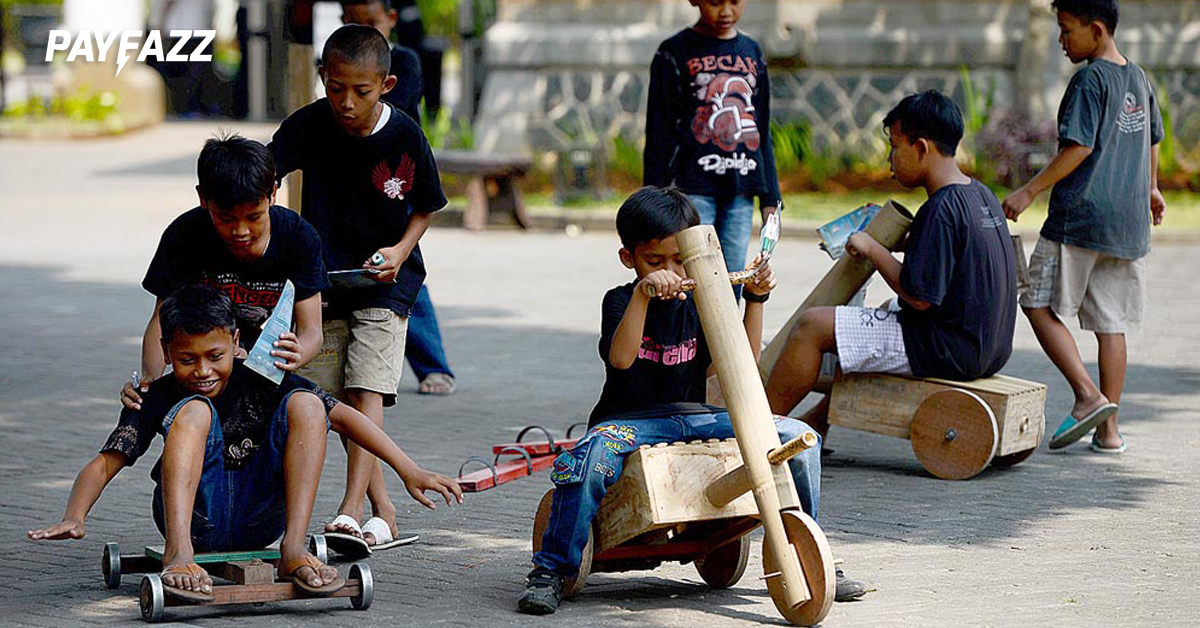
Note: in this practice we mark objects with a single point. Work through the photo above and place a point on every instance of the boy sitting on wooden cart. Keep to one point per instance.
(957, 286)
(242, 456)
(656, 366)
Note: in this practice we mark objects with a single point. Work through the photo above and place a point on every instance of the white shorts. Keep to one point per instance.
(870, 340)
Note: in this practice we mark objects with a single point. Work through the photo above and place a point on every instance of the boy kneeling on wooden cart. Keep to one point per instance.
(657, 362)
(242, 456)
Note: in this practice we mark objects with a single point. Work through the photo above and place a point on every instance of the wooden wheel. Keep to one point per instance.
(571, 586)
(954, 434)
(110, 565)
(724, 566)
(816, 563)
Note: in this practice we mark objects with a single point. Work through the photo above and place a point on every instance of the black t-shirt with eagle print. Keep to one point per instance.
(708, 118)
(359, 193)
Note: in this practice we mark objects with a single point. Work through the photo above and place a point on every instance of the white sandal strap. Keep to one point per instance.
(379, 529)
(348, 521)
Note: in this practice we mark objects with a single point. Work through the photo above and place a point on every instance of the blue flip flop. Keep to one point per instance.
(1072, 429)
(1100, 449)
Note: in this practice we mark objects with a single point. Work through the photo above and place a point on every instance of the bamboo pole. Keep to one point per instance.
(736, 483)
(746, 400)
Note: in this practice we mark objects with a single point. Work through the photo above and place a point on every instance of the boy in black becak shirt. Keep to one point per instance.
(241, 457)
(239, 242)
(957, 287)
(708, 124)
(656, 364)
(370, 186)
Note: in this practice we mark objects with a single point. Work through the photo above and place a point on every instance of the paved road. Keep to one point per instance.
(1063, 539)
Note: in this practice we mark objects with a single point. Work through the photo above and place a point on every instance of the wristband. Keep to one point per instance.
(750, 297)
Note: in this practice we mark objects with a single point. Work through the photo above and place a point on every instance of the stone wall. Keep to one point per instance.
(569, 72)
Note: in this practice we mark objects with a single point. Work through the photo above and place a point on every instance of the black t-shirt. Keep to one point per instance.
(406, 95)
(708, 118)
(191, 252)
(669, 375)
(244, 409)
(959, 258)
(359, 193)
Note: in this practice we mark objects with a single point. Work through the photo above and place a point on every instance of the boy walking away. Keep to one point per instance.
(957, 287)
(708, 124)
(423, 346)
(239, 242)
(370, 186)
(1090, 257)
(242, 456)
(656, 362)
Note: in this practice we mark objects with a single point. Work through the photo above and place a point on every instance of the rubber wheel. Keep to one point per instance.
(366, 591)
(110, 565)
(954, 434)
(816, 563)
(316, 545)
(724, 566)
(571, 586)
(151, 598)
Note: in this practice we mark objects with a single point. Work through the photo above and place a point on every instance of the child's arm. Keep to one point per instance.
(862, 246)
(357, 427)
(1064, 163)
(627, 340)
(659, 141)
(297, 349)
(153, 362)
(769, 201)
(1158, 205)
(90, 482)
(394, 256)
(752, 319)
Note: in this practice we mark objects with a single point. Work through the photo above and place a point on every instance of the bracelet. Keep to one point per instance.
(750, 297)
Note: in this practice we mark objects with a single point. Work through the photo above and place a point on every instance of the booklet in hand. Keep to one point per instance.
(260, 359)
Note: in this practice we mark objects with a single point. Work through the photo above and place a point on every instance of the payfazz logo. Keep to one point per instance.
(150, 46)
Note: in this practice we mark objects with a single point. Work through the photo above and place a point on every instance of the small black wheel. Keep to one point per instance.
(110, 565)
(316, 545)
(366, 588)
(151, 598)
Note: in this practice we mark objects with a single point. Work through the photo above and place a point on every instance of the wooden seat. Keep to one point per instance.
(493, 186)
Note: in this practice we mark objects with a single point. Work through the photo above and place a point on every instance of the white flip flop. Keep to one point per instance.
(379, 529)
(350, 545)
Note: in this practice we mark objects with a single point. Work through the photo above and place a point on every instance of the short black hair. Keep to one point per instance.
(387, 4)
(1107, 12)
(194, 310)
(930, 115)
(653, 213)
(358, 45)
(233, 171)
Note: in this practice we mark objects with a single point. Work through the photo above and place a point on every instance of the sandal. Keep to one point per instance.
(287, 571)
(193, 570)
(349, 544)
(381, 532)
(437, 379)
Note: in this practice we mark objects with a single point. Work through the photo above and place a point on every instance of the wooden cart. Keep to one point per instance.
(250, 577)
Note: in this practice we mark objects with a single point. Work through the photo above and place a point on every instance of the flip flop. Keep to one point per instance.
(438, 378)
(1100, 449)
(288, 572)
(382, 532)
(190, 569)
(1072, 429)
(349, 545)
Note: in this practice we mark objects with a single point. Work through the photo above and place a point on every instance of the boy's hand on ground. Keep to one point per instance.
(764, 277)
(1158, 206)
(393, 258)
(67, 529)
(1016, 203)
(422, 481)
(288, 349)
(131, 396)
(663, 284)
(860, 245)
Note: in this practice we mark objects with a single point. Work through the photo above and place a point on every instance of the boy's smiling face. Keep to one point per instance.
(353, 90)
(202, 362)
(1078, 39)
(647, 257)
(245, 229)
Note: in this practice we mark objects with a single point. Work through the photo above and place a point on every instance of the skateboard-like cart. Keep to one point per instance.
(250, 577)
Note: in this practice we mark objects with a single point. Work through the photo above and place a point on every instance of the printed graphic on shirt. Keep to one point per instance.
(1132, 118)
(669, 355)
(394, 186)
(725, 84)
(252, 301)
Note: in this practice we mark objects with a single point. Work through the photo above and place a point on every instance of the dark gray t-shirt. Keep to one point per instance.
(1104, 204)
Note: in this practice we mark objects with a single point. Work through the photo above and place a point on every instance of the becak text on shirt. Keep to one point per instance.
(725, 86)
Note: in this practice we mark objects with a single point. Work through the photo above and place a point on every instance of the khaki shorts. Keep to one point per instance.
(365, 352)
(1106, 292)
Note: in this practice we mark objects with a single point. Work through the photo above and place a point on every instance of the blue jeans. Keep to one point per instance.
(583, 475)
(235, 509)
(423, 345)
(731, 216)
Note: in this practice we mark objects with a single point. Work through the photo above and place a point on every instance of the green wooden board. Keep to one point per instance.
(156, 552)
